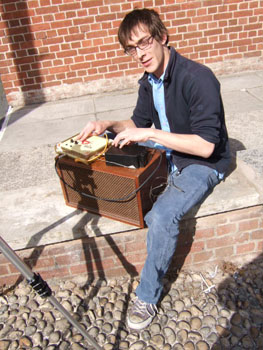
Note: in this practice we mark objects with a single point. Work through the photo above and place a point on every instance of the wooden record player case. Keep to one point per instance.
(111, 182)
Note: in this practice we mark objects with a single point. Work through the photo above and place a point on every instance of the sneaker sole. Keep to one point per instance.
(139, 326)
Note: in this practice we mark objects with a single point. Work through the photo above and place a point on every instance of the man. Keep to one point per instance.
(181, 98)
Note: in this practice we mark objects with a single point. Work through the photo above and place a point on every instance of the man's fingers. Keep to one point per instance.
(84, 134)
(121, 141)
(117, 140)
(81, 136)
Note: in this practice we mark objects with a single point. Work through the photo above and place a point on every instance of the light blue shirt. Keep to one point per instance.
(159, 104)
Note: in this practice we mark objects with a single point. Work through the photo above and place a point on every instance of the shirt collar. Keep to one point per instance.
(152, 78)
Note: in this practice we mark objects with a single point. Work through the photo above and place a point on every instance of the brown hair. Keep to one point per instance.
(145, 18)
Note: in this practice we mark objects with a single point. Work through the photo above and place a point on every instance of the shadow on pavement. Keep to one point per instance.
(92, 253)
(28, 61)
(241, 294)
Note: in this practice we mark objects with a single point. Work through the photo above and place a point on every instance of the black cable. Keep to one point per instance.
(123, 199)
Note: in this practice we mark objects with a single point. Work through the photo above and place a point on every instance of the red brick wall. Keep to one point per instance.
(235, 236)
(51, 49)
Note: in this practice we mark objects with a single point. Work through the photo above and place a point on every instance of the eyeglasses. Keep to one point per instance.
(144, 44)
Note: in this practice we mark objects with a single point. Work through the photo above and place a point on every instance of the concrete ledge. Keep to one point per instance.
(60, 242)
(37, 215)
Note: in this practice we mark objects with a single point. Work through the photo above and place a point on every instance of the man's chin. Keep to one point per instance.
(149, 70)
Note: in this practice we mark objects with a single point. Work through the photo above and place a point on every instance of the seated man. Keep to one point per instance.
(182, 99)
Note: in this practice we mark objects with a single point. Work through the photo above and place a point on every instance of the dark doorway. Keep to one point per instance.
(3, 104)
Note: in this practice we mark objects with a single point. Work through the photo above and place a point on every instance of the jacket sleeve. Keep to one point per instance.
(205, 105)
(142, 114)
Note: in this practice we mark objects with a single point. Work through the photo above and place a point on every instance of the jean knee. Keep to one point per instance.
(157, 213)
(153, 219)
(159, 221)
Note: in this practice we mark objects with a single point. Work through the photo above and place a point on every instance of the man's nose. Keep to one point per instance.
(139, 52)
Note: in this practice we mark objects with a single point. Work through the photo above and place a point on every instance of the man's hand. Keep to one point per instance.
(131, 135)
(92, 128)
(100, 126)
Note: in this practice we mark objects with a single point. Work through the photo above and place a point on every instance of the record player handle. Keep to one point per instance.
(80, 160)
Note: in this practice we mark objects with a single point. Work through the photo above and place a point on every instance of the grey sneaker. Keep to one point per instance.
(141, 314)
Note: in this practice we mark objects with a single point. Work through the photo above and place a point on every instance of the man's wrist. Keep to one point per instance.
(152, 134)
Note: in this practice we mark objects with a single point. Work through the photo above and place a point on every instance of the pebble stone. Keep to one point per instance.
(227, 316)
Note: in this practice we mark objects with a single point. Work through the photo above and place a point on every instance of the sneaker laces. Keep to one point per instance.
(141, 307)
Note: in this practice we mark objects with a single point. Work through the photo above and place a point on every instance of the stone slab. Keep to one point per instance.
(115, 101)
(246, 128)
(240, 101)
(22, 135)
(240, 81)
(118, 114)
(257, 92)
(54, 110)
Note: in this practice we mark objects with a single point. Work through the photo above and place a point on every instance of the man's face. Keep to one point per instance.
(155, 57)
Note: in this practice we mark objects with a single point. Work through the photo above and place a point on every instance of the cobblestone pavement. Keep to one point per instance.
(221, 309)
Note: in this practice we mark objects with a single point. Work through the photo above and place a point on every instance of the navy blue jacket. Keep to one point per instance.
(193, 106)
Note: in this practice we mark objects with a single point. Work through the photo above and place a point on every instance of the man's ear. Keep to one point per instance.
(164, 40)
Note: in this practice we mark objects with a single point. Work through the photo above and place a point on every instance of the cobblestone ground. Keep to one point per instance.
(221, 309)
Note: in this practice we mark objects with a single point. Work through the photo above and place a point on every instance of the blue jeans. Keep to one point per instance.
(183, 192)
